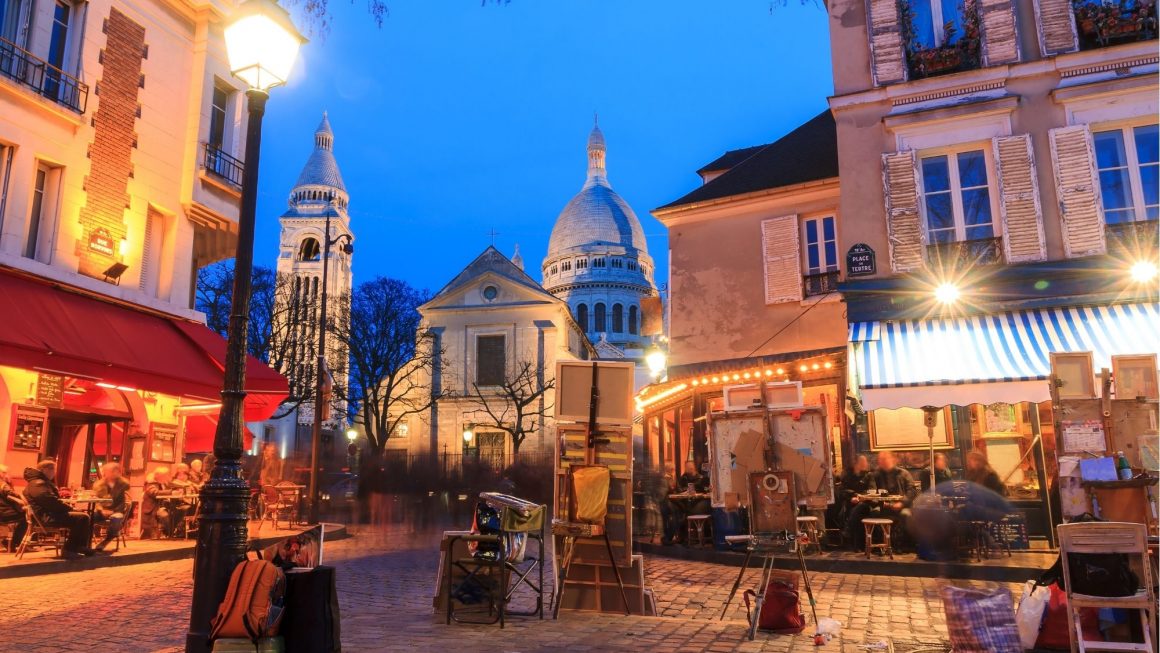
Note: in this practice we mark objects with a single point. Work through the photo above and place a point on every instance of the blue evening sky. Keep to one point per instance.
(454, 119)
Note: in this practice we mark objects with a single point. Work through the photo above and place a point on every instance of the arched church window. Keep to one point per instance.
(582, 317)
(581, 263)
(566, 265)
(633, 315)
(553, 270)
(309, 250)
(617, 263)
(632, 265)
(601, 323)
(617, 318)
(598, 263)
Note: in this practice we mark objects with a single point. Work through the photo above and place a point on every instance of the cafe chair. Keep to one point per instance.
(275, 507)
(189, 523)
(45, 536)
(500, 561)
(809, 534)
(101, 528)
(1102, 538)
(587, 489)
(292, 494)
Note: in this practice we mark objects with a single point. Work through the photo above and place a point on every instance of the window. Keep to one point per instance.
(41, 222)
(600, 325)
(217, 116)
(1128, 164)
(553, 270)
(309, 250)
(617, 263)
(490, 361)
(6, 153)
(821, 245)
(632, 265)
(633, 316)
(956, 198)
(13, 27)
(597, 262)
(490, 293)
(566, 265)
(582, 317)
(935, 23)
(581, 263)
(617, 318)
(57, 47)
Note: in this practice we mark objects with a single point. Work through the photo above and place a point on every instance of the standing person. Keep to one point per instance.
(111, 486)
(43, 497)
(942, 472)
(980, 472)
(270, 472)
(12, 509)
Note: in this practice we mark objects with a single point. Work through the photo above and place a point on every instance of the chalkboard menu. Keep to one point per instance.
(1013, 530)
(860, 261)
(50, 390)
(30, 425)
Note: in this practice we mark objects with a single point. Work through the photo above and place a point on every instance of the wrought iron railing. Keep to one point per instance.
(820, 284)
(965, 253)
(1134, 237)
(222, 165)
(47, 80)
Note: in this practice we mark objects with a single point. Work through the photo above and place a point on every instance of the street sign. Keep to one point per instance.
(860, 261)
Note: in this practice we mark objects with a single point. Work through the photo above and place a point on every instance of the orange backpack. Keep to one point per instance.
(252, 607)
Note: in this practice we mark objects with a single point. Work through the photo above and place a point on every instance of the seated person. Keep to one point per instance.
(856, 480)
(111, 486)
(12, 509)
(942, 473)
(156, 517)
(197, 475)
(43, 497)
(675, 511)
(980, 472)
(892, 480)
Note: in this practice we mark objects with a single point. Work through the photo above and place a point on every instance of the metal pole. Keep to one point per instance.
(320, 378)
(222, 531)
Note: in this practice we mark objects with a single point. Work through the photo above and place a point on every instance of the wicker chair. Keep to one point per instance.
(50, 536)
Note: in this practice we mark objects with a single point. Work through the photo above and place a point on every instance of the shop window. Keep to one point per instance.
(956, 197)
(601, 324)
(1128, 162)
(490, 360)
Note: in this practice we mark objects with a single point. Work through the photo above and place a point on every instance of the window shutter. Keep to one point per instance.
(1056, 21)
(1078, 190)
(1000, 42)
(903, 224)
(147, 255)
(1019, 205)
(887, 61)
(780, 247)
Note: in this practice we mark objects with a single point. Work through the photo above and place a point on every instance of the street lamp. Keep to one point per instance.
(262, 43)
(467, 435)
(1143, 271)
(656, 360)
(320, 382)
(947, 293)
(351, 435)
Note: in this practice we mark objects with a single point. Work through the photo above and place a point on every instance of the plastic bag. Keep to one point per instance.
(981, 621)
(1029, 614)
(829, 627)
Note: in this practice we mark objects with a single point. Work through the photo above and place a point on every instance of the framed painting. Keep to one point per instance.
(1135, 376)
(903, 429)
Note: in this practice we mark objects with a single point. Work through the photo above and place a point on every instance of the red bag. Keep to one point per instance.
(1053, 632)
(781, 610)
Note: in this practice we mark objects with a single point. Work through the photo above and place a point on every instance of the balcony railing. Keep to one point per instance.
(966, 253)
(1102, 24)
(820, 284)
(222, 165)
(959, 52)
(1134, 237)
(46, 80)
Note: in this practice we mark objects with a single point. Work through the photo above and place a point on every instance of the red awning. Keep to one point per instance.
(200, 431)
(50, 327)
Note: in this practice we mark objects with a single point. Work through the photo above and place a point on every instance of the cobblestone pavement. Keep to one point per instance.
(386, 580)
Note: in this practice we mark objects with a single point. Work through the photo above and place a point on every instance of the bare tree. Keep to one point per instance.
(394, 367)
(518, 404)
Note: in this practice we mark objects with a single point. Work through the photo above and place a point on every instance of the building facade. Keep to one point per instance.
(1003, 171)
(598, 263)
(754, 256)
(120, 172)
(488, 326)
(319, 199)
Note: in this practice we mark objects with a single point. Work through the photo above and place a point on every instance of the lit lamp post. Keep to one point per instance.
(320, 382)
(262, 44)
(656, 360)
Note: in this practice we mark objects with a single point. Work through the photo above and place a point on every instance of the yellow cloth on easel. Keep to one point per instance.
(590, 485)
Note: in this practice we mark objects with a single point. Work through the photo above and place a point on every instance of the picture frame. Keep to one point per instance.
(162, 443)
(1073, 375)
(903, 429)
(1135, 376)
(136, 453)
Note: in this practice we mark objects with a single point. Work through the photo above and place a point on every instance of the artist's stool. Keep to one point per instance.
(884, 546)
(808, 533)
(699, 525)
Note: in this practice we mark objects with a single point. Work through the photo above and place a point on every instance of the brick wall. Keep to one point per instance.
(110, 153)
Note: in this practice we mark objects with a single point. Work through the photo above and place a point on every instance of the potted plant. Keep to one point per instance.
(957, 53)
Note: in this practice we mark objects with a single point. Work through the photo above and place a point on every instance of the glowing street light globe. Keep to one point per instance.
(351, 435)
(262, 44)
(656, 361)
(467, 435)
(947, 293)
(1144, 271)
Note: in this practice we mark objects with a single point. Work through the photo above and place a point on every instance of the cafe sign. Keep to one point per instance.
(50, 390)
(860, 261)
(101, 242)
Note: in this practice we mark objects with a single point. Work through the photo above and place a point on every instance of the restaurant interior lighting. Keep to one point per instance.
(1143, 271)
(947, 293)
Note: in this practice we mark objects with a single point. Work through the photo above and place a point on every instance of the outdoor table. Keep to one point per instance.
(92, 502)
(685, 496)
(881, 498)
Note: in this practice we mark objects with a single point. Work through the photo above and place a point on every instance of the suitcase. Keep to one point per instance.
(310, 623)
(240, 645)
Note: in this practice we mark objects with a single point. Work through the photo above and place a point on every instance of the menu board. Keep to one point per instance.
(1084, 436)
(30, 423)
(163, 443)
(1013, 530)
(50, 390)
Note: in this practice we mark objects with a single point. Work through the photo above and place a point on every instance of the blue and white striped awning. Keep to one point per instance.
(998, 348)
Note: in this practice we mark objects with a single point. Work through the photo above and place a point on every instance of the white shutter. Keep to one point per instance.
(1019, 205)
(887, 60)
(781, 251)
(1056, 21)
(1078, 191)
(148, 257)
(1000, 42)
(903, 224)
